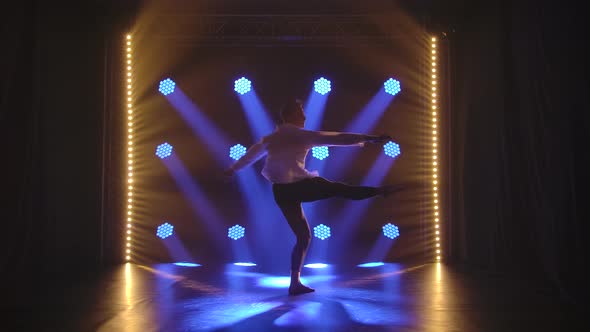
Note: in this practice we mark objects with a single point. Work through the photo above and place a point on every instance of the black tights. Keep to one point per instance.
(290, 195)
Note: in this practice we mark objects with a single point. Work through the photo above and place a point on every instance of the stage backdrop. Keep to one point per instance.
(188, 117)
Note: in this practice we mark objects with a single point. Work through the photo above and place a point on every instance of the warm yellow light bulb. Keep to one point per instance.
(128, 258)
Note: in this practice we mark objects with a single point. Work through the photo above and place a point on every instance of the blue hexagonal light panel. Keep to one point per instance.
(392, 86)
(165, 230)
(392, 149)
(242, 85)
(321, 231)
(167, 86)
(320, 152)
(322, 86)
(235, 232)
(391, 231)
(237, 151)
(164, 150)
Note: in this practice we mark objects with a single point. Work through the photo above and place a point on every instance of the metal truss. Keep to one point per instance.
(280, 29)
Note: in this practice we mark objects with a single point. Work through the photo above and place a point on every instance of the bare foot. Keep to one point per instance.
(299, 288)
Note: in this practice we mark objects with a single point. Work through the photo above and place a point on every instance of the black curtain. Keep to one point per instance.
(518, 130)
(56, 96)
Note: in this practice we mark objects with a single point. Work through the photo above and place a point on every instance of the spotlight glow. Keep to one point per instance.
(391, 231)
(165, 230)
(322, 86)
(166, 87)
(371, 264)
(320, 152)
(187, 264)
(321, 231)
(244, 264)
(392, 86)
(392, 149)
(164, 150)
(235, 232)
(316, 265)
(237, 151)
(242, 85)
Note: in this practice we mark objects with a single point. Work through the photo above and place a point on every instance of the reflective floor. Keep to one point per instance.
(391, 297)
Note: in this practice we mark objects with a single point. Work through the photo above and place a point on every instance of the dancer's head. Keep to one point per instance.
(292, 112)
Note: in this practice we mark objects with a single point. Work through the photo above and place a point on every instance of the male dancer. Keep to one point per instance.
(285, 150)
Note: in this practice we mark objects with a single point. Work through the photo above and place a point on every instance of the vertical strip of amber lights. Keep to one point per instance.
(129, 103)
(435, 149)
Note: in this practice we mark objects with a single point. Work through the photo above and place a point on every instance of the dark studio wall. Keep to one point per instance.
(518, 129)
(53, 100)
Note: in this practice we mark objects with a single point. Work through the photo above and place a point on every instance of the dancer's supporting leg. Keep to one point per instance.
(294, 214)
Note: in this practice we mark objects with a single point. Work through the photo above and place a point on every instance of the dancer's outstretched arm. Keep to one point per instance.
(254, 153)
(331, 138)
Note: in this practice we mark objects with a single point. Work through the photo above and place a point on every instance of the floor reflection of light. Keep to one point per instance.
(186, 264)
(371, 264)
(376, 314)
(283, 282)
(222, 313)
(306, 313)
(244, 264)
(316, 265)
(128, 283)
